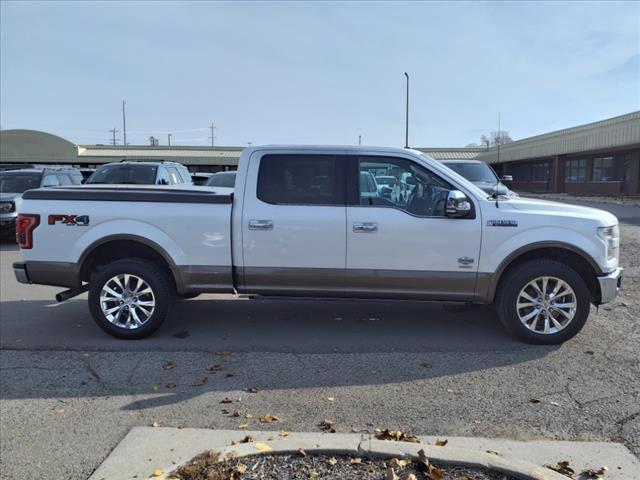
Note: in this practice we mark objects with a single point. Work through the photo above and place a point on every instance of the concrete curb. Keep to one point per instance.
(368, 446)
(146, 449)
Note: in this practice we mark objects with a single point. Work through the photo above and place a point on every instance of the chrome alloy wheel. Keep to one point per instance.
(127, 301)
(546, 305)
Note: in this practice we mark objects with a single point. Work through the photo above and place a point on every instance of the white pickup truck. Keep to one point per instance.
(298, 224)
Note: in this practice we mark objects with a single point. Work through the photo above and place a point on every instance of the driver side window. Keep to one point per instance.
(402, 184)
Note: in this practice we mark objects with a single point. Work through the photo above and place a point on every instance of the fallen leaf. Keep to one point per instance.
(284, 433)
(248, 415)
(180, 426)
(242, 426)
(477, 422)
(355, 461)
(355, 430)
(157, 424)
(240, 468)
(424, 464)
(409, 476)
(492, 452)
(302, 452)
(331, 399)
(390, 474)
(441, 443)
(200, 381)
(333, 461)
(396, 435)
(170, 385)
(313, 474)
(562, 467)
(157, 473)
(464, 477)
(214, 367)
(594, 472)
(235, 414)
(427, 365)
(263, 447)
(398, 464)
(269, 418)
(327, 426)
(168, 365)
(224, 353)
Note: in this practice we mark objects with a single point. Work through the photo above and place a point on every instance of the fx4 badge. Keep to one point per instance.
(502, 223)
(69, 220)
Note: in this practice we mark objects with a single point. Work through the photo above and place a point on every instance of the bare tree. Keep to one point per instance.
(495, 138)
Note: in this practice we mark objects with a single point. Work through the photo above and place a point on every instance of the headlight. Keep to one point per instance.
(6, 207)
(611, 237)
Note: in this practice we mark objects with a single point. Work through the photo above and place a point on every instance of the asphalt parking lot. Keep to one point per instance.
(69, 393)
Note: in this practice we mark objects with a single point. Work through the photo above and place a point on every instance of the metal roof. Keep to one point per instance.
(468, 153)
(184, 155)
(616, 132)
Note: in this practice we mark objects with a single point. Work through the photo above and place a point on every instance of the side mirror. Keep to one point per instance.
(506, 179)
(458, 205)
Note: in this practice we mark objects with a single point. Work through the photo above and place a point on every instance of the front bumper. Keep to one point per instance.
(20, 271)
(609, 285)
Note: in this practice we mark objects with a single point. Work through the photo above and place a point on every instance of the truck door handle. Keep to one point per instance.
(365, 227)
(260, 224)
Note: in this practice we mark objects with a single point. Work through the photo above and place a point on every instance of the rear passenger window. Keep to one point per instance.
(302, 179)
(174, 175)
(50, 181)
(63, 179)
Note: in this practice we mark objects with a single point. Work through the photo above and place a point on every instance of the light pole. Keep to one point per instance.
(169, 139)
(406, 119)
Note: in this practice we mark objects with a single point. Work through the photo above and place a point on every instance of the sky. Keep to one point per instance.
(315, 73)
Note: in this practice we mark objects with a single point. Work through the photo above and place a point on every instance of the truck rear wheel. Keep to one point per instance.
(543, 302)
(130, 298)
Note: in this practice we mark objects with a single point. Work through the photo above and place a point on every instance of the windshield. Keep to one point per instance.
(222, 180)
(124, 174)
(19, 182)
(474, 172)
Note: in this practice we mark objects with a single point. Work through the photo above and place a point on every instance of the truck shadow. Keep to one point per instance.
(276, 344)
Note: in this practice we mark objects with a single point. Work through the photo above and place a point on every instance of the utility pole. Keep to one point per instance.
(359, 140)
(124, 123)
(406, 120)
(212, 127)
(169, 139)
(498, 140)
(113, 136)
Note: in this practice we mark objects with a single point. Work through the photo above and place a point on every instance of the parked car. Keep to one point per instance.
(482, 175)
(14, 182)
(200, 178)
(140, 173)
(222, 179)
(541, 263)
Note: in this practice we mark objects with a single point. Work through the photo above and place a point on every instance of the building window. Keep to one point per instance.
(541, 172)
(521, 172)
(604, 169)
(576, 170)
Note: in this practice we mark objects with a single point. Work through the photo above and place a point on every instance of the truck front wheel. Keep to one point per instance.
(130, 298)
(543, 301)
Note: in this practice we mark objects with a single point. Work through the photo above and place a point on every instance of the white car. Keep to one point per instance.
(298, 225)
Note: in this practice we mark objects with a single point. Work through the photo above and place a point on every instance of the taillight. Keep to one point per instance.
(26, 223)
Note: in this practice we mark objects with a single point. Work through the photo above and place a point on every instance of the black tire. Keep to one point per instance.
(153, 275)
(515, 280)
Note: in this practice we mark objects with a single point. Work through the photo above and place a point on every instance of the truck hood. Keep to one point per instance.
(542, 207)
